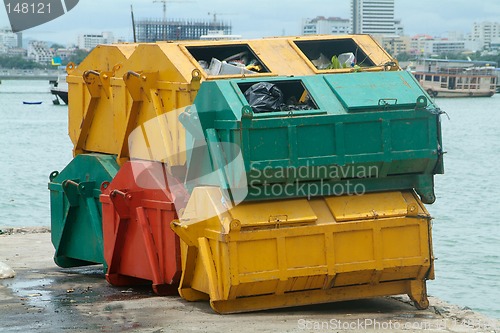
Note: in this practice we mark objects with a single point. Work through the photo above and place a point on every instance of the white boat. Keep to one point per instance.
(456, 78)
(60, 89)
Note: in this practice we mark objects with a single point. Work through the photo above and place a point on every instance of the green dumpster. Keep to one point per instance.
(334, 134)
(76, 211)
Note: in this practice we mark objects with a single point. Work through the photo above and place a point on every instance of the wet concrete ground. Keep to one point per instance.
(46, 298)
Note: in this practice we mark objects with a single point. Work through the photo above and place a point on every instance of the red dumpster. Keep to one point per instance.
(139, 246)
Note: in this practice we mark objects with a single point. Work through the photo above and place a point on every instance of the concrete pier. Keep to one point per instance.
(45, 298)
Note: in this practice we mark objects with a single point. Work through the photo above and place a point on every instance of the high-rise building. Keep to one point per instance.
(323, 25)
(373, 17)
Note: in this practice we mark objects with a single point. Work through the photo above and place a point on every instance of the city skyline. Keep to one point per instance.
(259, 20)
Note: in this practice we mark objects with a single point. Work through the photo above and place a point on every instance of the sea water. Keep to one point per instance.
(33, 143)
(466, 231)
(466, 226)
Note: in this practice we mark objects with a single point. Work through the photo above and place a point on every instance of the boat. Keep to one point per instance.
(31, 103)
(456, 78)
(59, 89)
(497, 73)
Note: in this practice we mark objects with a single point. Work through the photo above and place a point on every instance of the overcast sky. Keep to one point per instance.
(256, 18)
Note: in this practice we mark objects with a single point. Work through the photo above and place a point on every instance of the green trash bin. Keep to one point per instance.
(76, 221)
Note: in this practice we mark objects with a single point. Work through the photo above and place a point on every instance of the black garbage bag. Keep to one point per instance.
(264, 97)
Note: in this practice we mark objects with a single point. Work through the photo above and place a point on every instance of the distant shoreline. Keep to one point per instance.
(23, 230)
(29, 74)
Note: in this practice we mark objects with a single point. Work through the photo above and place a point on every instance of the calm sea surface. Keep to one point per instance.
(466, 228)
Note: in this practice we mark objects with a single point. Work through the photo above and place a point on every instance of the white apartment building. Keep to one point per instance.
(326, 26)
(449, 46)
(428, 45)
(8, 40)
(373, 17)
(89, 41)
(485, 33)
(40, 52)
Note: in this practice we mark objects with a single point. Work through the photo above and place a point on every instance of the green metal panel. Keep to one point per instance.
(376, 91)
(393, 137)
(76, 211)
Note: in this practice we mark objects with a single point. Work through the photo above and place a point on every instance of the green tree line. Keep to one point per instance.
(18, 62)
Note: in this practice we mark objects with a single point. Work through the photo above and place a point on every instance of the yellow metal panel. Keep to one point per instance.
(274, 213)
(250, 260)
(355, 277)
(297, 298)
(401, 242)
(400, 273)
(257, 288)
(372, 48)
(348, 208)
(353, 246)
(306, 283)
(297, 256)
(200, 280)
(105, 57)
(279, 57)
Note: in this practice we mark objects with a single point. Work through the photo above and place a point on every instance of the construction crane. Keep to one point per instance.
(165, 5)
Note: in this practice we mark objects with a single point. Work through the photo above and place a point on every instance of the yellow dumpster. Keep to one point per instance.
(270, 254)
(97, 100)
(119, 88)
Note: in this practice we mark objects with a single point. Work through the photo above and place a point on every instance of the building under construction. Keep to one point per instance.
(152, 30)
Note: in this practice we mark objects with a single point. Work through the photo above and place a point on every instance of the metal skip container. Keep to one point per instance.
(294, 252)
(139, 246)
(98, 99)
(75, 209)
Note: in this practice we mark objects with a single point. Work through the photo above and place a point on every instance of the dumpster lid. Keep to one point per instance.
(360, 207)
(375, 90)
(270, 213)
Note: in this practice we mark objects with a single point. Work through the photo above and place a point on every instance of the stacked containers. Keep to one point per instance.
(75, 207)
(129, 110)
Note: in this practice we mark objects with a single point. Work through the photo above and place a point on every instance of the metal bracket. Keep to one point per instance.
(138, 83)
(97, 81)
(278, 219)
